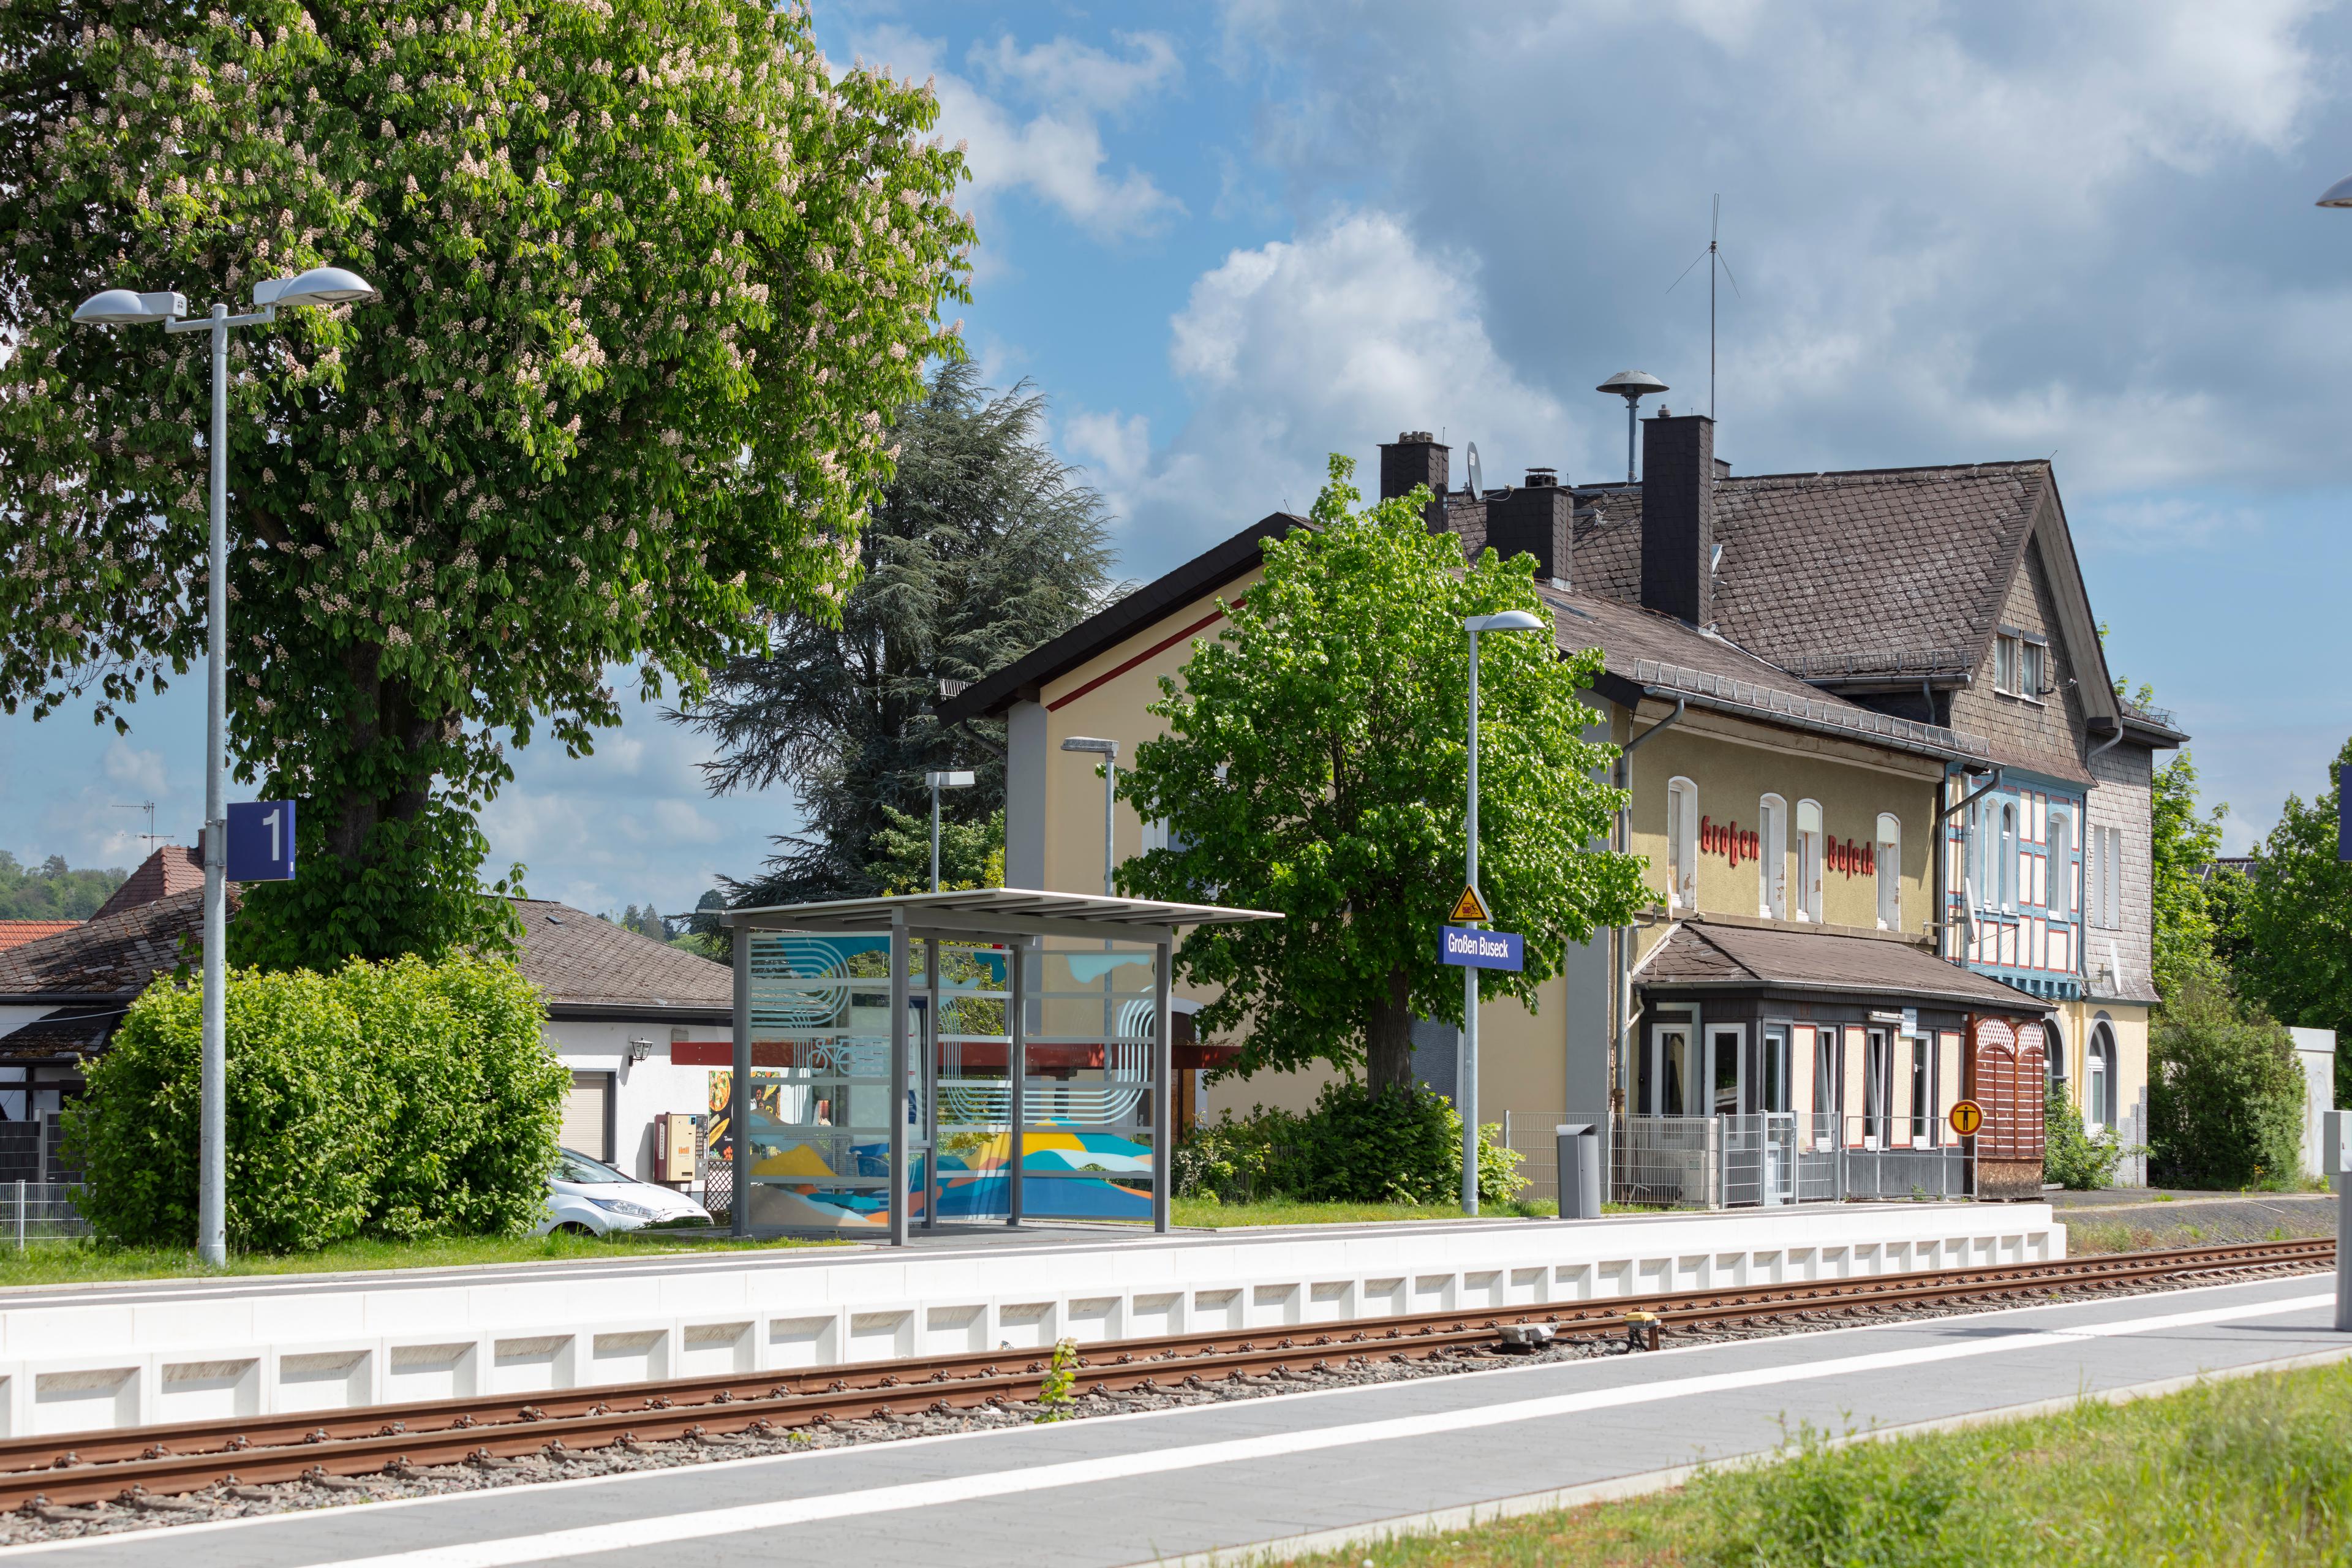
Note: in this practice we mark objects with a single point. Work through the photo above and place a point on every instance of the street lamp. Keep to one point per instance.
(124, 308)
(1109, 751)
(938, 782)
(2338, 195)
(1508, 621)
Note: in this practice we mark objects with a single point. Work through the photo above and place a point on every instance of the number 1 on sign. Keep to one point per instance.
(275, 852)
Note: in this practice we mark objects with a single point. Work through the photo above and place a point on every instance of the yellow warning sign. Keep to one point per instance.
(1469, 907)
(1967, 1117)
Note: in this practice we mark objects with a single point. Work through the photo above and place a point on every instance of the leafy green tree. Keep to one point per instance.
(2182, 847)
(655, 276)
(51, 891)
(1314, 764)
(982, 547)
(2293, 937)
(971, 854)
(2225, 1095)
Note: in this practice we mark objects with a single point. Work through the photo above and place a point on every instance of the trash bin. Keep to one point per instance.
(1580, 1170)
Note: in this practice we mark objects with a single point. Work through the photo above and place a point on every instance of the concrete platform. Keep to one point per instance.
(90, 1357)
(1257, 1480)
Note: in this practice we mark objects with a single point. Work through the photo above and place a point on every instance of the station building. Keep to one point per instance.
(1895, 816)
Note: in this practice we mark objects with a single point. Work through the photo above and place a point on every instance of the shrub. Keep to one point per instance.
(2070, 1156)
(2225, 1096)
(397, 1099)
(1401, 1145)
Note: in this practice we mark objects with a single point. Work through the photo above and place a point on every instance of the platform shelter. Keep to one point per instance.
(988, 1055)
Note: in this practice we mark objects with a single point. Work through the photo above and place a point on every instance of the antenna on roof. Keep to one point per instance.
(1478, 474)
(1714, 258)
(149, 807)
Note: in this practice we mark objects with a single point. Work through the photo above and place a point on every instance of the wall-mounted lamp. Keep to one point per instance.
(639, 1049)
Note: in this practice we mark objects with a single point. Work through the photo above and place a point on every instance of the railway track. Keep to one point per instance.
(156, 1462)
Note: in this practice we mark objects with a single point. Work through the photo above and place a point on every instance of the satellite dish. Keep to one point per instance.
(1478, 474)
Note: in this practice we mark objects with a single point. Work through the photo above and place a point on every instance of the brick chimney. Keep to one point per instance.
(1678, 476)
(1534, 520)
(1416, 458)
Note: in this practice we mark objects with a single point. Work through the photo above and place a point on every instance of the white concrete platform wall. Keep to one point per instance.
(173, 1356)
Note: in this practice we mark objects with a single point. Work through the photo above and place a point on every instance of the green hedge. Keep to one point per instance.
(398, 1100)
(2070, 1155)
(1399, 1145)
(2225, 1097)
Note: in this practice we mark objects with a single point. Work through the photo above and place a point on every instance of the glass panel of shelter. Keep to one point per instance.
(821, 1098)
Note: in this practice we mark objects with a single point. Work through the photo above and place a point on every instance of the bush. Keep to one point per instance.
(2225, 1096)
(2070, 1156)
(1401, 1145)
(397, 1099)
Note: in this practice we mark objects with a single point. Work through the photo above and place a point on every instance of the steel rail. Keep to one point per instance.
(392, 1438)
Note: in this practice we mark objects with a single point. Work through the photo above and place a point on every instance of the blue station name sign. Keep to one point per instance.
(1482, 949)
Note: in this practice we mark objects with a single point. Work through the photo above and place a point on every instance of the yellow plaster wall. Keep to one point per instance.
(1733, 773)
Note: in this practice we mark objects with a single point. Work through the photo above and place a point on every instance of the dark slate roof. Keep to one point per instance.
(1646, 650)
(589, 966)
(71, 1035)
(586, 965)
(171, 868)
(1843, 564)
(1700, 954)
(113, 956)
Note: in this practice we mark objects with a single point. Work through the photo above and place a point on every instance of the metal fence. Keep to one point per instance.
(39, 1211)
(1749, 1161)
(33, 1150)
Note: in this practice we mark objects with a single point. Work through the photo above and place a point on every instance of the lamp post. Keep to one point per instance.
(1508, 621)
(938, 782)
(123, 308)
(1109, 751)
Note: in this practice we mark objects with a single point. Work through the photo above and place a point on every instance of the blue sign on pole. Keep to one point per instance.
(1482, 949)
(2343, 819)
(261, 841)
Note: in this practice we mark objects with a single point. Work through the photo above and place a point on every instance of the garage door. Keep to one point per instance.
(587, 1115)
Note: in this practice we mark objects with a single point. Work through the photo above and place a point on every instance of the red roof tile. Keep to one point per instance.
(173, 869)
(17, 933)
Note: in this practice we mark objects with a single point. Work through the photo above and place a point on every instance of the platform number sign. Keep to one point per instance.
(261, 841)
(1967, 1117)
(2343, 822)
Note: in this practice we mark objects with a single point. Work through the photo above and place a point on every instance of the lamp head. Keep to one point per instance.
(957, 780)
(1633, 385)
(1091, 743)
(122, 308)
(1508, 621)
(319, 286)
(2338, 195)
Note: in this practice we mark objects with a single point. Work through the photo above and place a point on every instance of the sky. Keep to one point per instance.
(1236, 237)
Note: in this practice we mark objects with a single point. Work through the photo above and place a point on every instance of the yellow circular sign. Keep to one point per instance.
(1967, 1117)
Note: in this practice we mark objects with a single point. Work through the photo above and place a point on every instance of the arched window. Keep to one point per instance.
(1809, 860)
(2005, 874)
(1772, 864)
(1682, 845)
(1890, 871)
(2099, 1079)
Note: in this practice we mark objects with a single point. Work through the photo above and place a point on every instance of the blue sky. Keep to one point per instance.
(1227, 239)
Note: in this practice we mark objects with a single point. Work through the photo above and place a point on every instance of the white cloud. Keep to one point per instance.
(1327, 342)
(135, 769)
(1057, 155)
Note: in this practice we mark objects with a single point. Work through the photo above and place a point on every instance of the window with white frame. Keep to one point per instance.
(2103, 876)
(2099, 1079)
(1772, 864)
(1809, 860)
(2005, 662)
(1682, 845)
(2007, 869)
(1889, 860)
(2032, 666)
(2061, 866)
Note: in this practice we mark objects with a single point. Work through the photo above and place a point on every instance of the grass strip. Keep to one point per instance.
(2248, 1472)
(90, 1262)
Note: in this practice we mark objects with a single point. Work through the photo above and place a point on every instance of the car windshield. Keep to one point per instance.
(571, 1167)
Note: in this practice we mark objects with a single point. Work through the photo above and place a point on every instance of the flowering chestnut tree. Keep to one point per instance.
(652, 275)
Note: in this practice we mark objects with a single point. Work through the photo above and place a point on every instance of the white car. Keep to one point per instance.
(588, 1197)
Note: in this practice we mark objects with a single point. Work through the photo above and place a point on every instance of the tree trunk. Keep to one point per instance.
(1388, 1044)
(385, 716)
